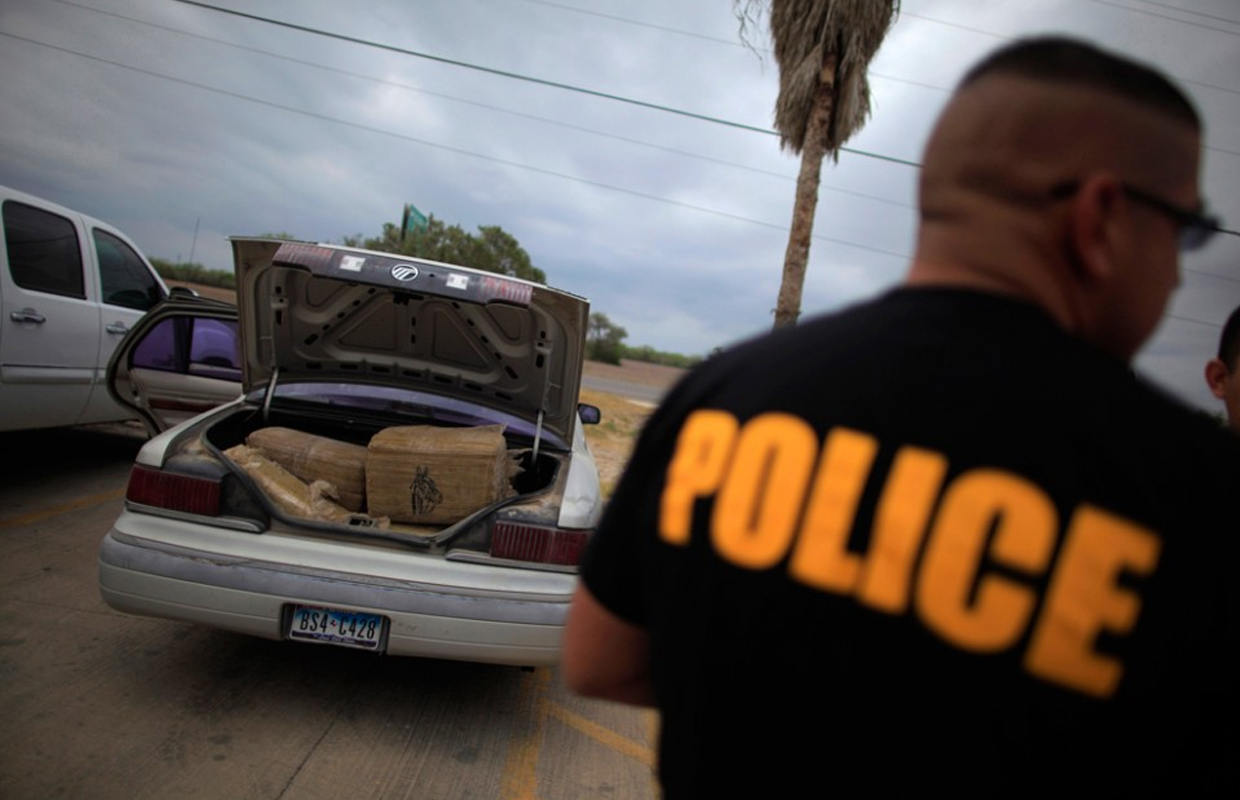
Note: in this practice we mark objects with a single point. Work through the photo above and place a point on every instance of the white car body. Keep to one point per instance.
(70, 288)
(493, 587)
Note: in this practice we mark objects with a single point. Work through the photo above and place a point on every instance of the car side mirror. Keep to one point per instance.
(590, 415)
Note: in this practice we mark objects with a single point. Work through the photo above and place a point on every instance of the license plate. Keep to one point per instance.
(333, 626)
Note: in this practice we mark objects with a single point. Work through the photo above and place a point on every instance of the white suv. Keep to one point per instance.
(70, 288)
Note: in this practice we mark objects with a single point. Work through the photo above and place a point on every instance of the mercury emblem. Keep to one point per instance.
(405, 272)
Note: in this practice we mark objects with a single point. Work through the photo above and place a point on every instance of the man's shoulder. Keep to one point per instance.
(901, 323)
(1169, 425)
(902, 311)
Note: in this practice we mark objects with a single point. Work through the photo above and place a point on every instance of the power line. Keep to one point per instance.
(456, 150)
(1005, 37)
(517, 76)
(955, 25)
(459, 150)
(451, 98)
(493, 159)
(706, 38)
(1190, 12)
(619, 98)
(971, 29)
(906, 13)
(1215, 325)
(637, 23)
(1174, 19)
(715, 39)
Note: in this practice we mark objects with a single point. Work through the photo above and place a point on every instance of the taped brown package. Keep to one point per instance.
(290, 493)
(314, 458)
(433, 475)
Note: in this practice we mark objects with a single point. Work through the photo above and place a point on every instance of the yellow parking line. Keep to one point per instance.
(54, 511)
(635, 750)
(520, 776)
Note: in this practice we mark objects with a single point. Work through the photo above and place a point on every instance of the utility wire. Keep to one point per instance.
(446, 147)
(451, 98)
(517, 76)
(714, 39)
(628, 100)
(493, 159)
(1175, 19)
(456, 150)
(638, 23)
(1005, 37)
(642, 103)
(1188, 11)
(1215, 325)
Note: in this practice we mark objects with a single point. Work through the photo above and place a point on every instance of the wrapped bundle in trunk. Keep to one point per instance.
(433, 475)
(317, 458)
(286, 490)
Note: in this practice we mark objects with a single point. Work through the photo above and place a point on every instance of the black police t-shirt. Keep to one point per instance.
(929, 543)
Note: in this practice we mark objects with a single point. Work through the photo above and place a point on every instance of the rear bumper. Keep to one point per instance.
(242, 582)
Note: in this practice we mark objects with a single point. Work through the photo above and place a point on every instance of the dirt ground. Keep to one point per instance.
(611, 441)
(635, 372)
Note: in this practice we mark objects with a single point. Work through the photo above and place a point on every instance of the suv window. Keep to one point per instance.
(124, 277)
(44, 253)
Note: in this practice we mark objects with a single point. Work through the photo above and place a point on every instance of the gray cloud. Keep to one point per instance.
(163, 132)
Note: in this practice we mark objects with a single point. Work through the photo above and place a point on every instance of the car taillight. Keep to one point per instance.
(536, 543)
(175, 492)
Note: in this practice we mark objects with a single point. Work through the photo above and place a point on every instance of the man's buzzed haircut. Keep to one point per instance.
(1055, 59)
(1229, 341)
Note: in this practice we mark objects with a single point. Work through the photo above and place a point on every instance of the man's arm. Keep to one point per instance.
(605, 656)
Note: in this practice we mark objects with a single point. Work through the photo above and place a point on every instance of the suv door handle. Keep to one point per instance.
(116, 327)
(28, 315)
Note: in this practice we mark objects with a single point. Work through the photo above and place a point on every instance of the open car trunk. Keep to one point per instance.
(444, 399)
(309, 477)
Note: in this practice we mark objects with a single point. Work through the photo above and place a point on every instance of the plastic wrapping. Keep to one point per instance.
(286, 490)
(317, 458)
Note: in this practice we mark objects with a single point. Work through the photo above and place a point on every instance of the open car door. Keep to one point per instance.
(181, 359)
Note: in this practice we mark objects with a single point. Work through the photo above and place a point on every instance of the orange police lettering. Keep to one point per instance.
(821, 558)
(1000, 608)
(902, 518)
(756, 512)
(702, 453)
(1084, 598)
(779, 496)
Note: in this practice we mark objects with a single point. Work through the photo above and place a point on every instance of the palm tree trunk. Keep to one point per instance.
(788, 307)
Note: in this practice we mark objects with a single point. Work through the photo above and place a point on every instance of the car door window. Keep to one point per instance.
(44, 252)
(214, 351)
(189, 345)
(125, 279)
(158, 348)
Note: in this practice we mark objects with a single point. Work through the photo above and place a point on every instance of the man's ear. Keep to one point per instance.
(1216, 377)
(1093, 223)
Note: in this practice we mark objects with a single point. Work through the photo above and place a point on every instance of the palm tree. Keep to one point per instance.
(823, 48)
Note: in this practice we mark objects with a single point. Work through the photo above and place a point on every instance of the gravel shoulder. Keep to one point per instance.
(653, 375)
(612, 440)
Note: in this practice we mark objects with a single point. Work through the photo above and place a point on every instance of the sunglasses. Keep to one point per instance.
(1196, 226)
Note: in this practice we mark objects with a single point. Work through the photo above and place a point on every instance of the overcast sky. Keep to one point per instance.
(184, 125)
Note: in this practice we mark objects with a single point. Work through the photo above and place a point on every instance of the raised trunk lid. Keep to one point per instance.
(311, 312)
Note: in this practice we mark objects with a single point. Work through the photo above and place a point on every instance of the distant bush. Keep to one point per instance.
(649, 355)
(194, 273)
(604, 340)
